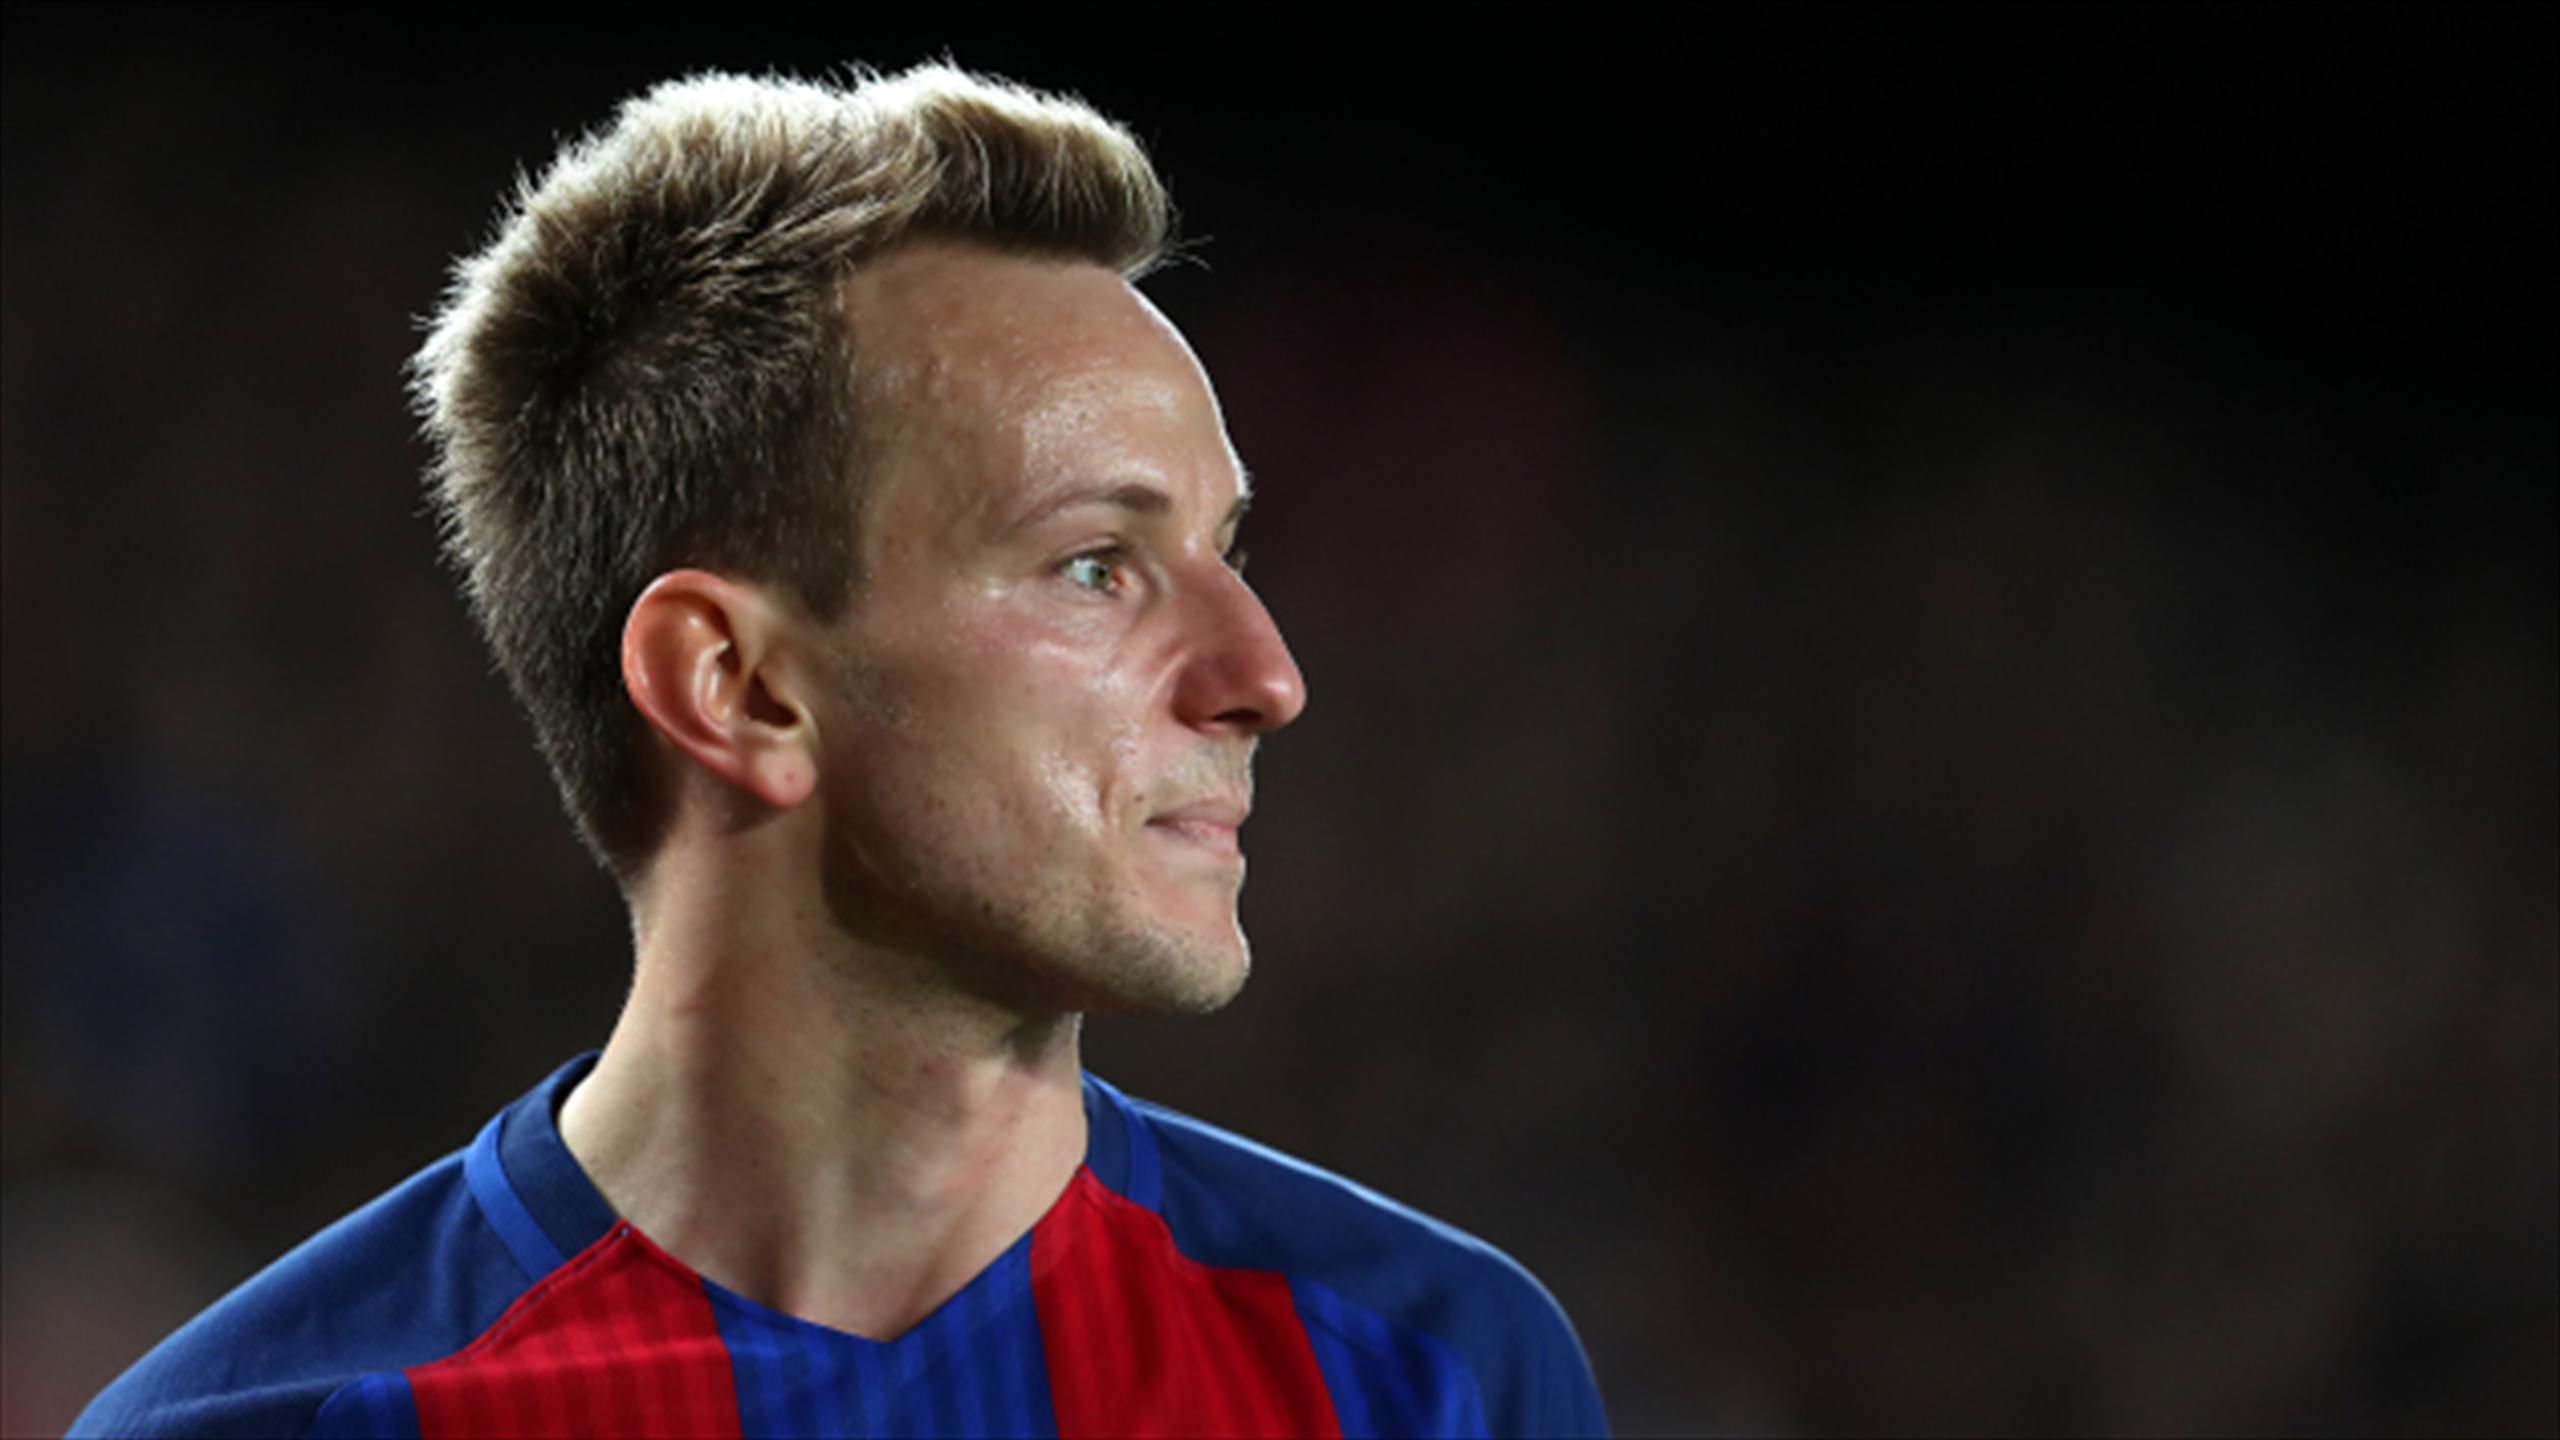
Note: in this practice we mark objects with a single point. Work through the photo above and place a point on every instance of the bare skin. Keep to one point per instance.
(913, 846)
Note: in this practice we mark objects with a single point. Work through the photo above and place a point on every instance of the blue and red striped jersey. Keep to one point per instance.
(1188, 1282)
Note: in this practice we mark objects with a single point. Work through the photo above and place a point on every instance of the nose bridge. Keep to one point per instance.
(1238, 673)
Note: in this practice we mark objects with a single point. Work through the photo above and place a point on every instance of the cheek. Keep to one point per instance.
(1071, 792)
(1089, 754)
(1017, 729)
(1049, 735)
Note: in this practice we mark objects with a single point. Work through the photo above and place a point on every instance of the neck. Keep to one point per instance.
(814, 1128)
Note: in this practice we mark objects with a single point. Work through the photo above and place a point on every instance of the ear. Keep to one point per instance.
(707, 661)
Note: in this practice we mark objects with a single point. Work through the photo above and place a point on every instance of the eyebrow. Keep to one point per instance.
(1135, 496)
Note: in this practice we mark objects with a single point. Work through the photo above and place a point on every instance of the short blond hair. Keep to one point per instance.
(650, 365)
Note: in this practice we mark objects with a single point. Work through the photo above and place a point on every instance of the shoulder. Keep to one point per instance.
(406, 1278)
(1374, 1277)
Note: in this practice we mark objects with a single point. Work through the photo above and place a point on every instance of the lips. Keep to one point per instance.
(1211, 824)
(1229, 813)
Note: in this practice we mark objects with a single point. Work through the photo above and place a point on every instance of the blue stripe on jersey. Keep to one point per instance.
(1136, 1148)
(800, 1371)
(377, 1407)
(926, 1375)
(515, 1224)
(826, 1383)
(1011, 1340)
(957, 1321)
(1386, 1380)
(543, 1174)
(764, 1362)
(975, 1367)
(872, 1386)
(1106, 1130)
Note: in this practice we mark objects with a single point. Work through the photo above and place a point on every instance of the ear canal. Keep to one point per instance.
(761, 705)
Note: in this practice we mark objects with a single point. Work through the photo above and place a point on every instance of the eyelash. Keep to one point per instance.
(1116, 558)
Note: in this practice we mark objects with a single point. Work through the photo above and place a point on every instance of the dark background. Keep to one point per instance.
(1931, 783)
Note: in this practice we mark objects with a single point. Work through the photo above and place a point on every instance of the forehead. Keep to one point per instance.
(944, 312)
(997, 373)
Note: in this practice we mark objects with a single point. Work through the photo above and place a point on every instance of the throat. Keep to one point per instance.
(859, 1190)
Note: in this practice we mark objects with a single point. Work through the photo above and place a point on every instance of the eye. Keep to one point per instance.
(1235, 559)
(1104, 571)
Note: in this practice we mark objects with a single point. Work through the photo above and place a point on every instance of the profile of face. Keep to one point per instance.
(1054, 679)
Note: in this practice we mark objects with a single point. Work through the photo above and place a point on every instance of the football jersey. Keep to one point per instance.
(1187, 1282)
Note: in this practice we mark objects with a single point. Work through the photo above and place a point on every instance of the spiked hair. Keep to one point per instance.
(650, 366)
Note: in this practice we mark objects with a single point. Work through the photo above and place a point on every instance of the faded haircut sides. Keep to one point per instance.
(649, 367)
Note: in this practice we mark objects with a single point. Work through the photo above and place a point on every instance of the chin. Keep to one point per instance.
(1160, 972)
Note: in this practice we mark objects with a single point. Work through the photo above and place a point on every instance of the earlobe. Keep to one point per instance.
(698, 653)
(782, 778)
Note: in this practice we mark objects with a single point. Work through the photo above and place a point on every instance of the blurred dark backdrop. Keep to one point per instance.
(1932, 778)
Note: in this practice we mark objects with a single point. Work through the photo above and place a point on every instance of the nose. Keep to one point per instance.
(1239, 677)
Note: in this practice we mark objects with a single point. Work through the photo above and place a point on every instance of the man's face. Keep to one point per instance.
(1054, 680)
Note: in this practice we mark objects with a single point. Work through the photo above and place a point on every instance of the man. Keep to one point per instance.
(861, 545)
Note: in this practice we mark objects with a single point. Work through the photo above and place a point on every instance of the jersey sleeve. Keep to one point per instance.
(1546, 1386)
(405, 1278)
(1419, 1327)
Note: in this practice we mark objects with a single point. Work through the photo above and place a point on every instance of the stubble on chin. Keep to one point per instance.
(1104, 954)
(1165, 974)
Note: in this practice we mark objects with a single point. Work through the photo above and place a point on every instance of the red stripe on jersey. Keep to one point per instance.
(1144, 1341)
(619, 1341)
